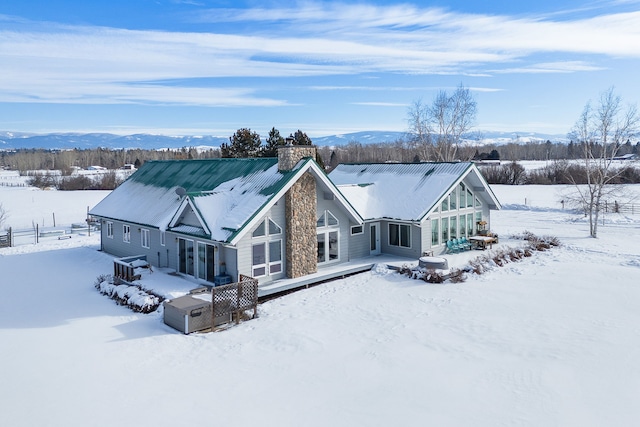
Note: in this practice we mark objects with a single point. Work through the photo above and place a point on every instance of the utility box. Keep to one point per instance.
(192, 313)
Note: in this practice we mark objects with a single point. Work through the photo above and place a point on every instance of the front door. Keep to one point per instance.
(374, 238)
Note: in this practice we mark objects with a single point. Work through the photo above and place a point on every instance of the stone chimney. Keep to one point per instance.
(289, 155)
(300, 213)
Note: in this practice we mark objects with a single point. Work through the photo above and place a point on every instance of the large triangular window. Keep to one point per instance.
(327, 219)
(274, 228)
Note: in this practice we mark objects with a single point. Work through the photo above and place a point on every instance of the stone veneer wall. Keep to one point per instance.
(300, 214)
(290, 155)
(301, 241)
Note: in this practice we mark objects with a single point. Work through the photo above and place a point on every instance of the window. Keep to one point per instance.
(452, 200)
(453, 226)
(435, 232)
(260, 231)
(275, 256)
(126, 233)
(469, 199)
(470, 224)
(463, 196)
(445, 204)
(268, 225)
(463, 226)
(400, 235)
(266, 256)
(185, 256)
(274, 228)
(445, 229)
(328, 249)
(327, 219)
(163, 238)
(357, 229)
(110, 230)
(259, 259)
(144, 238)
(478, 204)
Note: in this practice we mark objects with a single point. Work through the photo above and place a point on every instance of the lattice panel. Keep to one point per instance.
(235, 297)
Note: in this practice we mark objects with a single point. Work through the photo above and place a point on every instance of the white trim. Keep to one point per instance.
(311, 166)
(145, 232)
(187, 202)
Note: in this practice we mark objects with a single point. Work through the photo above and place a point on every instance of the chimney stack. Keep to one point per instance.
(289, 155)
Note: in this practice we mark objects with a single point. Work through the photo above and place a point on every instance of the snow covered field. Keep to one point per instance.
(553, 340)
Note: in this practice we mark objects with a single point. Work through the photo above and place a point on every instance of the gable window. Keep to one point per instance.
(260, 231)
(144, 238)
(452, 200)
(267, 228)
(469, 199)
(357, 229)
(400, 235)
(445, 204)
(109, 229)
(266, 253)
(327, 219)
(126, 233)
(463, 195)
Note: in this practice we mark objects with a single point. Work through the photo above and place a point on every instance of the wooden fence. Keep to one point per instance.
(625, 208)
(6, 239)
(235, 298)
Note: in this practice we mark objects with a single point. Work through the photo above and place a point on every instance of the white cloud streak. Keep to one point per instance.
(48, 63)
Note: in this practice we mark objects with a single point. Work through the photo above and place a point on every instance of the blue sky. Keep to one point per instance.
(183, 67)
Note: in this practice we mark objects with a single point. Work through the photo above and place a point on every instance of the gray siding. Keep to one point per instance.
(359, 244)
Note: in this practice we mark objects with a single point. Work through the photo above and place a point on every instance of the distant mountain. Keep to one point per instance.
(61, 141)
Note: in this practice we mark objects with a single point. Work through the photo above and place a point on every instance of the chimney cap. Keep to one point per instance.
(289, 141)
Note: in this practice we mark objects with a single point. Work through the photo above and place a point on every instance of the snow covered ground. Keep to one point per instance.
(552, 340)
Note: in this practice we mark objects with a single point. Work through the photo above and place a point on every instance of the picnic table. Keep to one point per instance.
(481, 242)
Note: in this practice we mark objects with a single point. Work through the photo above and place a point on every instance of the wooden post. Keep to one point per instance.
(213, 308)
(238, 303)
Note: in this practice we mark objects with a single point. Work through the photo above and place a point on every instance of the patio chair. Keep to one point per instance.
(452, 247)
(465, 243)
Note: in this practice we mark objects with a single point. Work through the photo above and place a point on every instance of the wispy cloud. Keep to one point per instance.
(49, 63)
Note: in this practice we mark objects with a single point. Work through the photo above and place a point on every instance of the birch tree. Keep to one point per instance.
(601, 130)
(443, 123)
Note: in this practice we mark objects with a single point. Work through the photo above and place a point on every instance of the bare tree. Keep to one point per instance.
(443, 123)
(420, 129)
(602, 130)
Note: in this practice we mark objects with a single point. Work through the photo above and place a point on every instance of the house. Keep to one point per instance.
(281, 218)
(269, 218)
(414, 208)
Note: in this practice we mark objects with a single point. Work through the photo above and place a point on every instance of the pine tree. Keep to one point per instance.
(244, 143)
(274, 140)
(300, 138)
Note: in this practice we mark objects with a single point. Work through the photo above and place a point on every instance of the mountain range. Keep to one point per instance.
(62, 141)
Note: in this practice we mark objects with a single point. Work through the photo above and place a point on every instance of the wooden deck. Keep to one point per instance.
(330, 273)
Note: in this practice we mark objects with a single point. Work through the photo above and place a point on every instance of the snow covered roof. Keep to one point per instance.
(226, 195)
(405, 191)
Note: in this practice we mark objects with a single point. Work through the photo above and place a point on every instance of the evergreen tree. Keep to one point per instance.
(300, 138)
(244, 143)
(274, 140)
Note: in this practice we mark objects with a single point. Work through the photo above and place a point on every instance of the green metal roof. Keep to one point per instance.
(196, 176)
